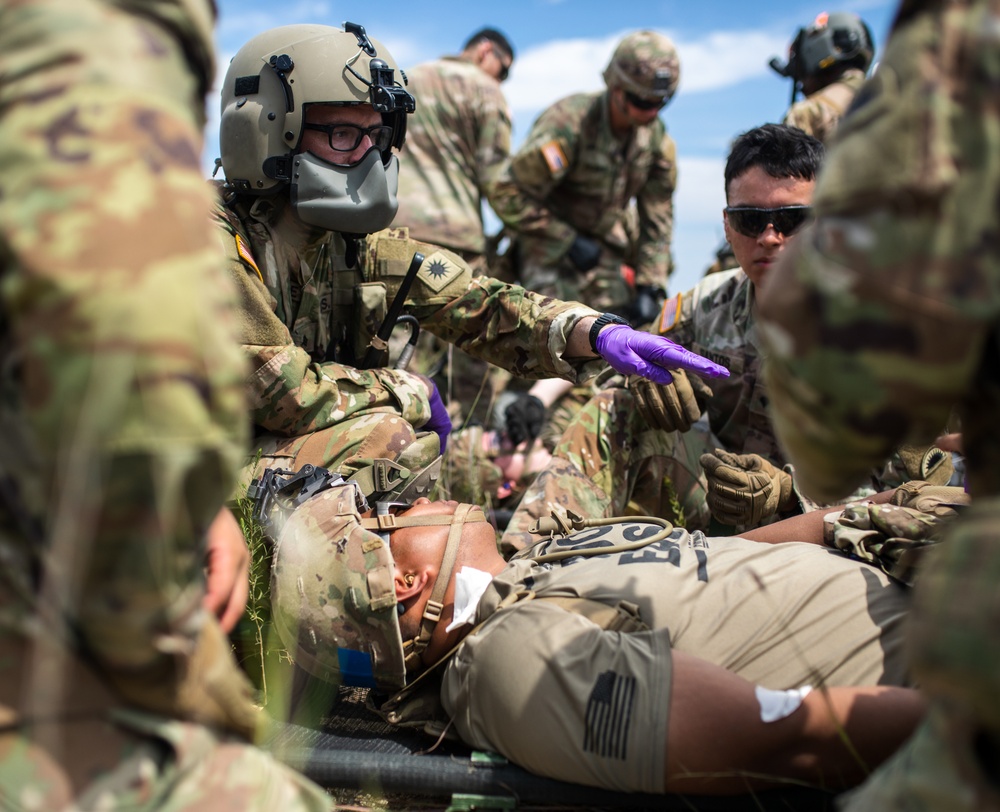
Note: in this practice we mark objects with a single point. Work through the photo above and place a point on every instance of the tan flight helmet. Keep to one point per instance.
(646, 65)
(270, 82)
(333, 595)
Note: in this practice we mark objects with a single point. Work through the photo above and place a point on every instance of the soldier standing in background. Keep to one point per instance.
(883, 319)
(827, 62)
(456, 141)
(122, 421)
(588, 198)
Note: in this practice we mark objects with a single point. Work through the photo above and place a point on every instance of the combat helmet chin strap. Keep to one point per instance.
(414, 648)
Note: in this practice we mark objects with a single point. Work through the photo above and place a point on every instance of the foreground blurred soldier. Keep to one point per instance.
(565, 196)
(883, 319)
(121, 425)
(310, 118)
(646, 659)
(827, 62)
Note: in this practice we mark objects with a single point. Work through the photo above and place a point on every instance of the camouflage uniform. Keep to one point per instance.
(121, 422)
(573, 176)
(456, 142)
(819, 113)
(307, 317)
(610, 463)
(881, 320)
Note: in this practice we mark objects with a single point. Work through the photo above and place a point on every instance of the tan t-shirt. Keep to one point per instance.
(557, 694)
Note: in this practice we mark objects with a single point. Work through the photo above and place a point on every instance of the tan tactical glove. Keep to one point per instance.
(745, 489)
(673, 406)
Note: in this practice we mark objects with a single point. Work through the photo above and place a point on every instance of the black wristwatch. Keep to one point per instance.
(603, 321)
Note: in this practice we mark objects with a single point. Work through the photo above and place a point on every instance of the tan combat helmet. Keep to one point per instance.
(333, 595)
(271, 81)
(645, 64)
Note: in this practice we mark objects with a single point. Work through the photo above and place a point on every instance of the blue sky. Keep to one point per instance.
(562, 48)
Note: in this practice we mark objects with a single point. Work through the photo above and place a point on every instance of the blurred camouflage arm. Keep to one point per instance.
(656, 217)
(878, 320)
(118, 308)
(493, 146)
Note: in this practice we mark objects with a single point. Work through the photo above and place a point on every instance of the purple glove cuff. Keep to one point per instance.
(440, 421)
(633, 352)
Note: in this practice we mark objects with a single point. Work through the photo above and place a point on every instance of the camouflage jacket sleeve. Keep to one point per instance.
(513, 328)
(289, 392)
(884, 316)
(117, 306)
(655, 202)
(819, 113)
(519, 192)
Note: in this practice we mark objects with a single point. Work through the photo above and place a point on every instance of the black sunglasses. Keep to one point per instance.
(640, 103)
(752, 222)
(504, 68)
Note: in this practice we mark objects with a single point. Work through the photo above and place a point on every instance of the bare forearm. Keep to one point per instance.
(807, 527)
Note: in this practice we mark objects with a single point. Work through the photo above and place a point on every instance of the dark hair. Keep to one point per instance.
(781, 151)
(494, 36)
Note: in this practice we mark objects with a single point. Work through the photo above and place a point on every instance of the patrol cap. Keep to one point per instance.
(645, 63)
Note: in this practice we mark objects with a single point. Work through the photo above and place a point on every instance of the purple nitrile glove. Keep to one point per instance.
(440, 421)
(633, 352)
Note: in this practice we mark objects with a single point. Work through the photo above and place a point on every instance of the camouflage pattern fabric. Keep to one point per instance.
(898, 535)
(881, 319)
(121, 421)
(717, 319)
(306, 316)
(572, 176)
(610, 463)
(456, 142)
(819, 112)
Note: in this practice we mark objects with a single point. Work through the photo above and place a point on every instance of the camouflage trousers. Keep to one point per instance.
(610, 463)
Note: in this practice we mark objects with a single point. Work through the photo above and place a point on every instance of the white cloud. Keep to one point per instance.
(560, 68)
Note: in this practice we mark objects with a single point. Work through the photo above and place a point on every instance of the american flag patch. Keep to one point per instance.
(670, 313)
(609, 716)
(554, 157)
(244, 251)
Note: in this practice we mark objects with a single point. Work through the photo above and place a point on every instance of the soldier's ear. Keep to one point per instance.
(409, 584)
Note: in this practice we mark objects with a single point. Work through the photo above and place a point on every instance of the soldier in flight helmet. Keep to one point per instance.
(827, 62)
(271, 82)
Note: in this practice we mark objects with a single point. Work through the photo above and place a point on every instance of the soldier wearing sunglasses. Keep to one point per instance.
(588, 199)
(732, 469)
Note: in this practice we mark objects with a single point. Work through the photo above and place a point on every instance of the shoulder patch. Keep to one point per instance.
(244, 251)
(438, 271)
(670, 313)
(554, 156)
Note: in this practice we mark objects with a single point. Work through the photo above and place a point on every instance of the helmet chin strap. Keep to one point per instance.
(414, 648)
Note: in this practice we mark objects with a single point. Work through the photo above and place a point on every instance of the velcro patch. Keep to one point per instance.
(244, 251)
(670, 314)
(554, 157)
(438, 271)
